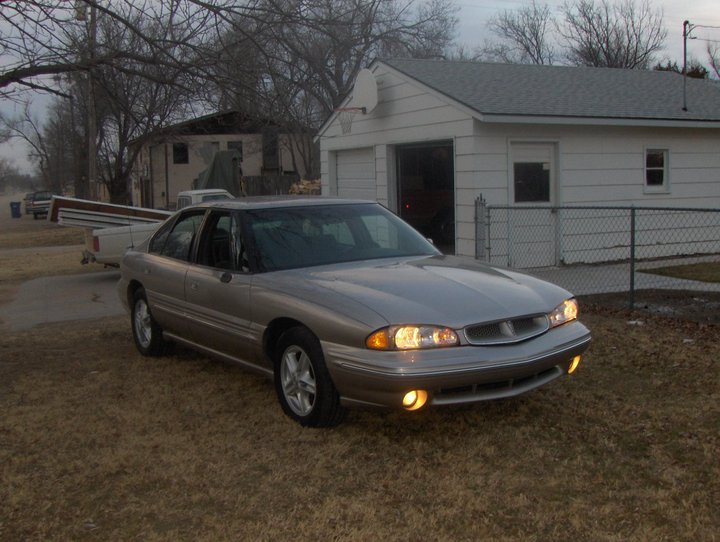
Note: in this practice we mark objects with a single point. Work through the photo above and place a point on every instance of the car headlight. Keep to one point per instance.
(565, 312)
(411, 337)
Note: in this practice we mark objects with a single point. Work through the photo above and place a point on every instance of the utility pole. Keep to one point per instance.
(92, 123)
(687, 28)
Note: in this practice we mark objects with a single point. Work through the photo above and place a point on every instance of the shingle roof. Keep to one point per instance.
(561, 91)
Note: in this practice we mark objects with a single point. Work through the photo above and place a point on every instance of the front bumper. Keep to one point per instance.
(455, 375)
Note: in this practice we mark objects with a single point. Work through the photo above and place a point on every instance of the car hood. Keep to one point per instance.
(442, 290)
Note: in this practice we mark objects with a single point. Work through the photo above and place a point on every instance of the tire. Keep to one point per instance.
(302, 382)
(146, 332)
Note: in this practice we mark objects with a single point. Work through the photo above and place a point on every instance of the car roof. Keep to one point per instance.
(277, 202)
(203, 191)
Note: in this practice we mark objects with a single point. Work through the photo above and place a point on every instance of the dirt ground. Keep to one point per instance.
(692, 306)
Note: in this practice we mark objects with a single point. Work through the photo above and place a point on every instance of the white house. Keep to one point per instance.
(174, 156)
(438, 134)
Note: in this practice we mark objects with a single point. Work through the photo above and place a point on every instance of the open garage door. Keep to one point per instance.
(356, 174)
(426, 186)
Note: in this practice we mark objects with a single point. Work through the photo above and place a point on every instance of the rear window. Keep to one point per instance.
(215, 197)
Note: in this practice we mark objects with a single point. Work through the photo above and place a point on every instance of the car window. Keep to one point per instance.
(183, 201)
(222, 244)
(176, 242)
(215, 197)
(325, 234)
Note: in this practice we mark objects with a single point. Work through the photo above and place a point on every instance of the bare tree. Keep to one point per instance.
(624, 34)
(292, 61)
(135, 101)
(11, 179)
(524, 36)
(297, 59)
(50, 143)
(39, 38)
(45, 41)
(694, 69)
(713, 52)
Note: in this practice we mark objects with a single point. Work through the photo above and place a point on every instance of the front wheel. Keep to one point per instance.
(146, 332)
(302, 382)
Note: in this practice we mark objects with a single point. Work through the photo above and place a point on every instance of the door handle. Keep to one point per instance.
(194, 285)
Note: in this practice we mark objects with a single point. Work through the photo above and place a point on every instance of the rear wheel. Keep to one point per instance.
(146, 332)
(302, 382)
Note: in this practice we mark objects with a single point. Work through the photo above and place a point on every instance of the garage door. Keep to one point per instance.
(356, 174)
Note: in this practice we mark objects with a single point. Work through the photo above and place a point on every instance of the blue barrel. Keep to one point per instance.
(15, 209)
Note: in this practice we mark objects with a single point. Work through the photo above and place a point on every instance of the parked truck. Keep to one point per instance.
(38, 203)
(107, 246)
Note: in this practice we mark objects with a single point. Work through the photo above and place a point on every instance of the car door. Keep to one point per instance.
(164, 269)
(218, 290)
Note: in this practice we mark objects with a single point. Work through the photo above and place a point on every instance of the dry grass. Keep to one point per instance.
(45, 234)
(32, 248)
(33, 264)
(27, 232)
(100, 443)
(705, 272)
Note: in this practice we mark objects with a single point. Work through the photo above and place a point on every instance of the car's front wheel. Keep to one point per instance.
(302, 382)
(146, 332)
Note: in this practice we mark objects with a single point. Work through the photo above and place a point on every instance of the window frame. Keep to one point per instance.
(176, 152)
(236, 242)
(663, 188)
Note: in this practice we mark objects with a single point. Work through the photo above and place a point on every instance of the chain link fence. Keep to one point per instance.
(597, 249)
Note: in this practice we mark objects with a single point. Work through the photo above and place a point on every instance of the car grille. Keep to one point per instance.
(495, 390)
(507, 331)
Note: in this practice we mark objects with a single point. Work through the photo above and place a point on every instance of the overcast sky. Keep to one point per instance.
(474, 15)
(472, 31)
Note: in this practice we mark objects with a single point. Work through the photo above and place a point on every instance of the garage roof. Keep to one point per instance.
(562, 91)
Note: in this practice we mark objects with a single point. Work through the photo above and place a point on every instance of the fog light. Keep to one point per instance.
(415, 399)
(574, 364)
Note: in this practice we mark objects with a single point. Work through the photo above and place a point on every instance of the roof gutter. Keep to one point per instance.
(596, 121)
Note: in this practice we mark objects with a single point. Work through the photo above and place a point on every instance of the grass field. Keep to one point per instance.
(705, 272)
(99, 443)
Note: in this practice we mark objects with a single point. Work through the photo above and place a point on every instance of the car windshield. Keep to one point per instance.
(295, 237)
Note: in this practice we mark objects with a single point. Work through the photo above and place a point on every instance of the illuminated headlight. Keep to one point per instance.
(411, 337)
(565, 312)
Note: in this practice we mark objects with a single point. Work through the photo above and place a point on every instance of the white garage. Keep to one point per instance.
(523, 136)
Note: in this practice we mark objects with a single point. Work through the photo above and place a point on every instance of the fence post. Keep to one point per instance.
(488, 239)
(632, 257)
(480, 228)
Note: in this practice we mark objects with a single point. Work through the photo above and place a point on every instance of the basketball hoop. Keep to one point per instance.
(346, 116)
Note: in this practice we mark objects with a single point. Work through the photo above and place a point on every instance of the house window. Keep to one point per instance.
(532, 182)
(656, 170)
(236, 145)
(180, 153)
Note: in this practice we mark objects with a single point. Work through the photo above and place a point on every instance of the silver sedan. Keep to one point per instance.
(344, 304)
